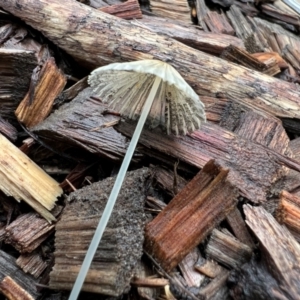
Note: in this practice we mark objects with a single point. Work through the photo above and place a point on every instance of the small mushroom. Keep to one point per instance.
(147, 88)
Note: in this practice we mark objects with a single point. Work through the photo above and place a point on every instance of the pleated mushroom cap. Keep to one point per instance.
(125, 87)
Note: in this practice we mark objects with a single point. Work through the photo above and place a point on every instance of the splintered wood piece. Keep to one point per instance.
(74, 90)
(209, 268)
(19, 285)
(218, 23)
(288, 213)
(272, 11)
(16, 68)
(32, 263)
(76, 176)
(22, 179)
(38, 102)
(8, 130)
(191, 215)
(149, 282)
(260, 128)
(292, 56)
(209, 42)
(126, 10)
(242, 57)
(172, 9)
(227, 250)
(145, 272)
(214, 142)
(281, 252)
(81, 123)
(238, 226)
(292, 180)
(217, 288)
(250, 87)
(243, 30)
(276, 36)
(265, 57)
(187, 268)
(168, 180)
(13, 291)
(27, 232)
(202, 11)
(121, 246)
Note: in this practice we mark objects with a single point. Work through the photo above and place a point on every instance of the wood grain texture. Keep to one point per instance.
(190, 216)
(121, 246)
(96, 39)
(252, 168)
(82, 123)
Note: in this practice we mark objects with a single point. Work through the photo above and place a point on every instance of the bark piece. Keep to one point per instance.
(288, 213)
(82, 123)
(190, 216)
(202, 11)
(127, 10)
(238, 226)
(212, 142)
(8, 130)
(145, 271)
(291, 181)
(209, 42)
(175, 9)
(149, 282)
(227, 250)
(187, 268)
(276, 36)
(243, 30)
(257, 127)
(218, 23)
(16, 68)
(21, 178)
(13, 291)
(27, 232)
(265, 57)
(73, 91)
(217, 288)
(113, 42)
(209, 268)
(23, 283)
(276, 274)
(277, 13)
(167, 180)
(239, 56)
(32, 263)
(292, 56)
(38, 102)
(121, 245)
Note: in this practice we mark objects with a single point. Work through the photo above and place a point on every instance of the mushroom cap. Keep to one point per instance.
(156, 67)
(125, 86)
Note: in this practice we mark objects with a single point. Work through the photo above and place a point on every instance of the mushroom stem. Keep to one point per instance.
(114, 193)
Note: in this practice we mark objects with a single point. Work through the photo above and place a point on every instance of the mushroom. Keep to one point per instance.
(147, 88)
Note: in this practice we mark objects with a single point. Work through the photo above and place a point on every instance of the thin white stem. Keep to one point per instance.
(114, 193)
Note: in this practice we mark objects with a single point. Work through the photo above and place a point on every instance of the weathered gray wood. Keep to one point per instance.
(121, 246)
(276, 274)
(82, 123)
(190, 35)
(16, 67)
(8, 267)
(227, 250)
(241, 156)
